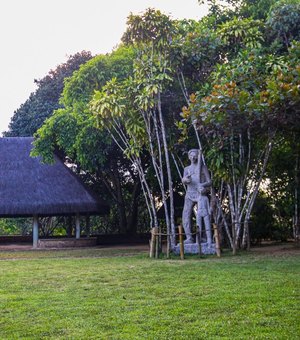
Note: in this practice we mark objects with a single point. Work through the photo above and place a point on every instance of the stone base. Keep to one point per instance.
(193, 248)
(67, 242)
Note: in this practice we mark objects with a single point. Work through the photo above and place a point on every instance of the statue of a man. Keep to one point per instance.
(196, 178)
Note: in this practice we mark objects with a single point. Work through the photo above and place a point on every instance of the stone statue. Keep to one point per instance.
(197, 179)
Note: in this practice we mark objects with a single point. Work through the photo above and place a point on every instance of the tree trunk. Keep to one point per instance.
(168, 166)
(233, 220)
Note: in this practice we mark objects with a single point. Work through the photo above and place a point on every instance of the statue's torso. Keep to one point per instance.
(192, 187)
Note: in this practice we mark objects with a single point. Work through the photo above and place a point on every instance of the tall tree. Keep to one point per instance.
(71, 129)
(251, 96)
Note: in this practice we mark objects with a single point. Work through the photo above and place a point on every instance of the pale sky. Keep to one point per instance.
(38, 35)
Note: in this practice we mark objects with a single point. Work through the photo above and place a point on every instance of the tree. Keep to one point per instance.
(246, 86)
(71, 130)
(283, 22)
(251, 98)
(137, 121)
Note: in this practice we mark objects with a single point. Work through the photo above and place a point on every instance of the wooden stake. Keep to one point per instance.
(152, 242)
(181, 242)
(217, 239)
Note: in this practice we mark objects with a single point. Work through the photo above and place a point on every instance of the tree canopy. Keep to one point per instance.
(228, 83)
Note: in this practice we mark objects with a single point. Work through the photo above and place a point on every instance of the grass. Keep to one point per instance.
(103, 294)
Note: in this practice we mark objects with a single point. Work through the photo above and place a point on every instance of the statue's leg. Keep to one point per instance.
(186, 219)
(208, 229)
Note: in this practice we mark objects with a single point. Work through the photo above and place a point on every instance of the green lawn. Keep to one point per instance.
(121, 294)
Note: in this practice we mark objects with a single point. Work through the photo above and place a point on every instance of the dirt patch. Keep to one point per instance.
(265, 249)
(15, 247)
(277, 249)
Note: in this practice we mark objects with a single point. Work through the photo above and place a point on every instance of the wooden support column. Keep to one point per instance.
(77, 224)
(35, 231)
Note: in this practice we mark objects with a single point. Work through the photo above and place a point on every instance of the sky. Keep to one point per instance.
(38, 35)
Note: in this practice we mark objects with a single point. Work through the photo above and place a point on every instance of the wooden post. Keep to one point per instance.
(181, 242)
(152, 242)
(35, 231)
(77, 224)
(217, 240)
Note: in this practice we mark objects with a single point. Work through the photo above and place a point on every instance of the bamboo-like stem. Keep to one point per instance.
(161, 175)
(217, 240)
(168, 166)
(182, 84)
(233, 220)
(152, 243)
(177, 168)
(157, 167)
(255, 192)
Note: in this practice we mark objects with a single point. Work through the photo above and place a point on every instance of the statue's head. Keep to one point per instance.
(193, 155)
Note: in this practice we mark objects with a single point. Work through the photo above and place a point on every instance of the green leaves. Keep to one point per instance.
(241, 33)
(283, 22)
(152, 27)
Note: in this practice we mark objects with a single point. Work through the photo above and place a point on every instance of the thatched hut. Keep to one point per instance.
(30, 188)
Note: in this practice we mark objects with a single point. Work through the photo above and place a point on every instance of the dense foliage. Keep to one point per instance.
(249, 107)
(234, 76)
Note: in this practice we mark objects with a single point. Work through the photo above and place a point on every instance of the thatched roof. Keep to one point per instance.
(28, 187)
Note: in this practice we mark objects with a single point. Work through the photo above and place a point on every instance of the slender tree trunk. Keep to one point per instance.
(157, 163)
(233, 220)
(168, 166)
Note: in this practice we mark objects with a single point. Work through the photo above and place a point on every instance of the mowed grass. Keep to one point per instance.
(119, 294)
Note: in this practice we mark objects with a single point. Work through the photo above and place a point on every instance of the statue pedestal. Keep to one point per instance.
(193, 248)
